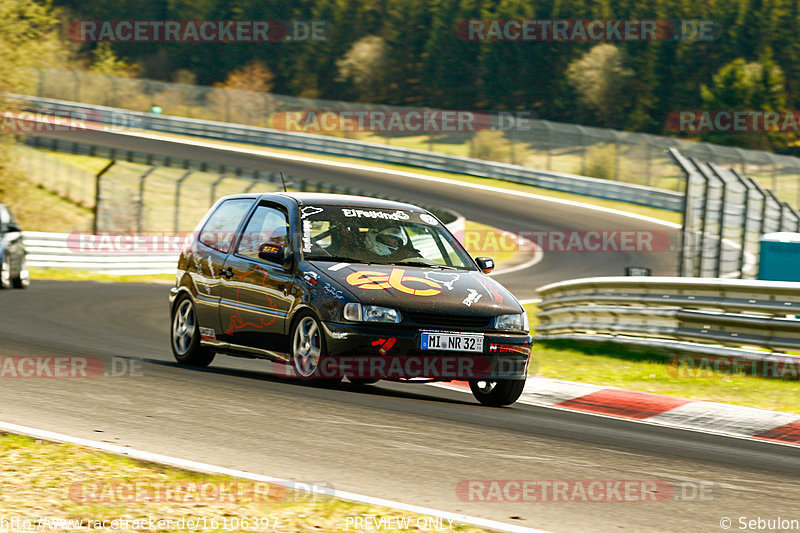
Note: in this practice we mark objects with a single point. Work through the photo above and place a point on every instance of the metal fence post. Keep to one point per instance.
(140, 208)
(686, 199)
(722, 210)
(97, 181)
(77, 79)
(743, 238)
(213, 196)
(178, 185)
(699, 269)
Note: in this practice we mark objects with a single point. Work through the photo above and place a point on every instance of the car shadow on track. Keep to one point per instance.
(344, 386)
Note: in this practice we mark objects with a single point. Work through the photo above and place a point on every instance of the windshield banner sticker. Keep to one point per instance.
(428, 219)
(306, 236)
(310, 210)
(363, 213)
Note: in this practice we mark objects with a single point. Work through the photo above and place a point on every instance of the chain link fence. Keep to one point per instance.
(134, 197)
(636, 158)
(726, 214)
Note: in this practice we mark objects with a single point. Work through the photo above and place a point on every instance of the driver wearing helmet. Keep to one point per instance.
(389, 243)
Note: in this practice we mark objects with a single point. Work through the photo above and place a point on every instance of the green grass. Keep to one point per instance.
(71, 274)
(61, 481)
(36, 207)
(649, 370)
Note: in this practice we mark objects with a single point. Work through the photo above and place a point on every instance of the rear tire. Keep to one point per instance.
(362, 381)
(185, 335)
(23, 278)
(497, 393)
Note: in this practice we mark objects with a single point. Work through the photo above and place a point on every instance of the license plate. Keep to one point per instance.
(452, 342)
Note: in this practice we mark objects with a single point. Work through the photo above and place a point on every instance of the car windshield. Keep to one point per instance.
(379, 236)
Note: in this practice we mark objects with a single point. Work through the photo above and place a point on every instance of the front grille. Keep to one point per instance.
(435, 320)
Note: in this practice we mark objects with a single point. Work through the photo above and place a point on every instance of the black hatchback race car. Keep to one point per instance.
(332, 286)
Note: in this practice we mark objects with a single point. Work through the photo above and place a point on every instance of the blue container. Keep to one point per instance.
(780, 257)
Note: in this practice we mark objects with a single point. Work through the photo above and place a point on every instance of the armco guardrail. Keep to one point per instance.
(120, 252)
(744, 318)
(585, 186)
(62, 250)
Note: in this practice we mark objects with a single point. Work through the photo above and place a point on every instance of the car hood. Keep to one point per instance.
(422, 289)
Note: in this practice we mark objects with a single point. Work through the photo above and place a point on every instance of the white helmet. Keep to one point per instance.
(386, 241)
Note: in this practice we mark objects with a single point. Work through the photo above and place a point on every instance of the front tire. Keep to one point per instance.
(308, 351)
(497, 393)
(185, 335)
(5, 273)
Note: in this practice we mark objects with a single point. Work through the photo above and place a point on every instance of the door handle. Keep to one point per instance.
(227, 272)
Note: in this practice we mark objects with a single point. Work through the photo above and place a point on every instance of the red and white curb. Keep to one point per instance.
(706, 417)
(205, 468)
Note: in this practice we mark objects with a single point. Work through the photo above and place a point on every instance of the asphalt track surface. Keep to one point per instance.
(410, 443)
(509, 213)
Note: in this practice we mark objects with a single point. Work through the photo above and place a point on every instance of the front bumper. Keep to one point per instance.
(393, 352)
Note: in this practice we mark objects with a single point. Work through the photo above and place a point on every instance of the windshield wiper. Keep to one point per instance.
(427, 265)
(336, 258)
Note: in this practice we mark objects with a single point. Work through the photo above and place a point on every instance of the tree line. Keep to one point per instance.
(409, 52)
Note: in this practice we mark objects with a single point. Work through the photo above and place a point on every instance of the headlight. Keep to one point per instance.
(515, 322)
(370, 313)
(352, 311)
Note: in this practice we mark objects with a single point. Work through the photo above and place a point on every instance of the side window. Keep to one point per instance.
(423, 241)
(432, 246)
(267, 225)
(218, 232)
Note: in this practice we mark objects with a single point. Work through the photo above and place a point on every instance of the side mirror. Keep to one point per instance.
(486, 264)
(274, 253)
